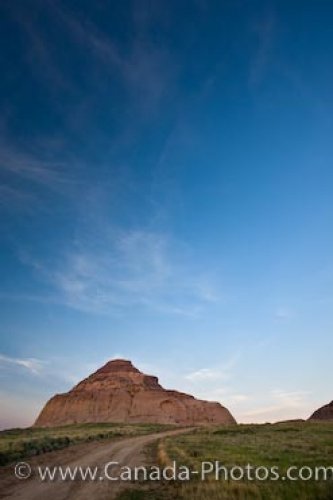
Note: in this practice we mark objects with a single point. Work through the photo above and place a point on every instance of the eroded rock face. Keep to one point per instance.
(119, 392)
(323, 413)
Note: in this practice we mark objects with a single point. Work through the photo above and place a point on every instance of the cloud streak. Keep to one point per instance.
(216, 374)
(33, 365)
(21, 170)
(280, 405)
(146, 69)
(133, 268)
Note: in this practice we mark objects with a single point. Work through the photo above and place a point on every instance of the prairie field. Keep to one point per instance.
(284, 445)
(23, 443)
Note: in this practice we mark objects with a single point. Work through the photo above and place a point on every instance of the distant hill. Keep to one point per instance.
(323, 413)
(291, 421)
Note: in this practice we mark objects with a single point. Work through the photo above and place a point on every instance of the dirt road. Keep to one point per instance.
(127, 452)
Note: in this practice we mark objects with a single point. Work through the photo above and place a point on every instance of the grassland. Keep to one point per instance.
(22, 443)
(282, 445)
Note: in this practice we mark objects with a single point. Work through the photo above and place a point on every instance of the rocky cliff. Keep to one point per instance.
(119, 392)
(323, 413)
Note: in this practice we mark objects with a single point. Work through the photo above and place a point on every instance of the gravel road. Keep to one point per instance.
(127, 451)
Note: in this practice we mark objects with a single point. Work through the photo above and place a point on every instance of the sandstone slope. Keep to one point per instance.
(119, 392)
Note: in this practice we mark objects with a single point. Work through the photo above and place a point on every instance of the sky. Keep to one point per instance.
(166, 182)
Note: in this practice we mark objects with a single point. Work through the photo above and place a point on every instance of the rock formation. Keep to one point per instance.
(119, 392)
(323, 413)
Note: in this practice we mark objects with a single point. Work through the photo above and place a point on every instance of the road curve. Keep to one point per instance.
(127, 452)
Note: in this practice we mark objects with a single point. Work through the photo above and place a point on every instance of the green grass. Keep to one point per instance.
(21, 443)
(284, 445)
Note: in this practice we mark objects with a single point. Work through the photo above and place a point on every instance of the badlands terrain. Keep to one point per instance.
(120, 414)
(119, 392)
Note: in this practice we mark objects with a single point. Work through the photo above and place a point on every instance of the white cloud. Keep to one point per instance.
(290, 398)
(206, 374)
(31, 364)
(134, 268)
(36, 166)
(147, 69)
(24, 164)
(215, 374)
(280, 405)
(284, 313)
(216, 384)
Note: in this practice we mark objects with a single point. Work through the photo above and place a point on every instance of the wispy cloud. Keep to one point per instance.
(280, 405)
(217, 373)
(213, 383)
(133, 268)
(37, 168)
(33, 365)
(39, 49)
(146, 69)
(283, 313)
(205, 374)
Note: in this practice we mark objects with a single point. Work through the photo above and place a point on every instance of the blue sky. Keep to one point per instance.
(166, 196)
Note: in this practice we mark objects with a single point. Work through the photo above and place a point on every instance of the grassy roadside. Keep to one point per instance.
(22, 443)
(282, 445)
